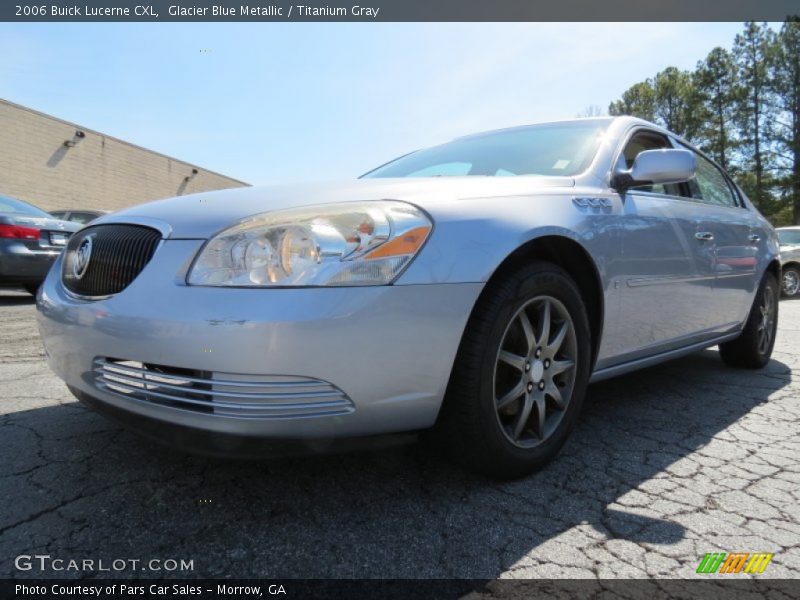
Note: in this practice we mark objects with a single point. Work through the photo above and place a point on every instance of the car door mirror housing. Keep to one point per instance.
(657, 166)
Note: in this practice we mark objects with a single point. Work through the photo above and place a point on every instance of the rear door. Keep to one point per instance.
(727, 233)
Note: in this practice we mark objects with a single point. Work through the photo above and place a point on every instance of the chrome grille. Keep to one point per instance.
(117, 254)
(228, 394)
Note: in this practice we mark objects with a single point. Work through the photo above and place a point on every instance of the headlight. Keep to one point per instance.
(362, 243)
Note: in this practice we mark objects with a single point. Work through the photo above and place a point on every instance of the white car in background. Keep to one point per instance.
(790, 260)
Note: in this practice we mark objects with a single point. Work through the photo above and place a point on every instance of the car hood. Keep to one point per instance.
(199, 216)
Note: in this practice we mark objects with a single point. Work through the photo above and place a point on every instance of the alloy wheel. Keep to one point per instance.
(791, 282)
(767, 322)
(535, 371)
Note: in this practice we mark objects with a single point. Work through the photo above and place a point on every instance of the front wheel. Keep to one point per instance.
(753, 348)
(791, 282)
(520, 375)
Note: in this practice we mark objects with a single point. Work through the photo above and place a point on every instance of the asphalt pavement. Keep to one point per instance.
(666, 465)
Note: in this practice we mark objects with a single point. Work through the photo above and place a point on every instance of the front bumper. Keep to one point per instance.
(389, 349)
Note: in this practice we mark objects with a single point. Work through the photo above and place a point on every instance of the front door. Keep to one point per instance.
(666, 296)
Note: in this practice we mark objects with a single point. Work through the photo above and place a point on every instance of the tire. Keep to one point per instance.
(472, 429)
(791, 282)
(32, 288)
(753, 348)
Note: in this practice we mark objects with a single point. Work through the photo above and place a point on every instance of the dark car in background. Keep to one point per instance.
(30, 240)
(81, 216)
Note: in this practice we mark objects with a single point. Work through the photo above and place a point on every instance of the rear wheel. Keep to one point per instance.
(753, 348)
(520, 375)
(791, 281)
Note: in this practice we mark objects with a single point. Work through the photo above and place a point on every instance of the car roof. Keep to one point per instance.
(789, 228)
(622, 121)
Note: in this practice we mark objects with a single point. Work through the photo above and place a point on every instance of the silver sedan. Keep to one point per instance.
(472, 290)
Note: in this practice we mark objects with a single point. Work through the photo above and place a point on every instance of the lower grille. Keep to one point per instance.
(104, 259)
(227, 394)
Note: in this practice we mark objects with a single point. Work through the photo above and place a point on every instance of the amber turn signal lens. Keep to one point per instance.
(407, 243)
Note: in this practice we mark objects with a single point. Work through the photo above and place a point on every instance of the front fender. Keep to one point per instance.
(473, 237)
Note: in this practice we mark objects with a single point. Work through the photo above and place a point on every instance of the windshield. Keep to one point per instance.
(9, 205)
(552, 149)
(789, 237)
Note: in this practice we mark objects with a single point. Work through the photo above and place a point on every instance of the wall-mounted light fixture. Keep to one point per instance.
(79, 135)
(188, 178)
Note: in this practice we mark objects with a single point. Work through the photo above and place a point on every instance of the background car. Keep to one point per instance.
(78, 215)
(472, 289)
(30, 240)
(790, 259)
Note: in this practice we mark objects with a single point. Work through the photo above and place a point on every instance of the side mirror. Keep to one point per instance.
(657, 166)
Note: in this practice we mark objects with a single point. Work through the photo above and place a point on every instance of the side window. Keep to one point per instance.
(710, 185)
(641, 141)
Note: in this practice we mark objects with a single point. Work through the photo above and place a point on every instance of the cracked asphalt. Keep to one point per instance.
(666, 464)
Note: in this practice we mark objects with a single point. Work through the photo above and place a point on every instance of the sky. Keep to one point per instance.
(287, 102)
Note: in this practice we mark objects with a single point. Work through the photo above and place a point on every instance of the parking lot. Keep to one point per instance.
(666, 465)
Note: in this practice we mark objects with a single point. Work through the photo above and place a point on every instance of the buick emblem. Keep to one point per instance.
(81, 262)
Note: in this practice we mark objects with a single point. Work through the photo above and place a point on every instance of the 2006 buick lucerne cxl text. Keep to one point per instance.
(471, 289)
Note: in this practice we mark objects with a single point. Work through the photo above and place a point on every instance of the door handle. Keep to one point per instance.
(754, 237)
(704, 236)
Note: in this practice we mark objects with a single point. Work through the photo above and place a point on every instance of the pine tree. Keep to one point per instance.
(639, 100)
(786, 84)
(752, 52)
(715, 83)
(676, 101)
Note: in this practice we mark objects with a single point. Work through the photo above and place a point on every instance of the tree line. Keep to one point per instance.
(742, 107)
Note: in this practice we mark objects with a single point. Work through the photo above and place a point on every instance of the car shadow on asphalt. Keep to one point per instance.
(77, 486)
(21, 299)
